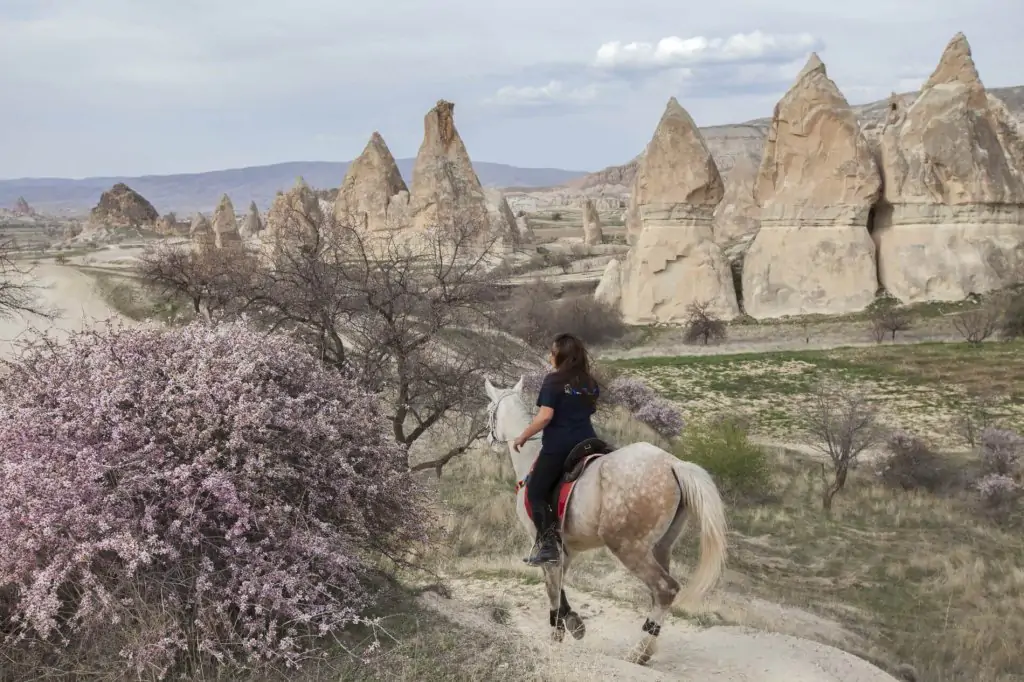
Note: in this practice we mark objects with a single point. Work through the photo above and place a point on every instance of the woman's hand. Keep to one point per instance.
(519, 442)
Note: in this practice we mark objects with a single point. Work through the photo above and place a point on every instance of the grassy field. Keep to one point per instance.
(928, 389)
(900, 578)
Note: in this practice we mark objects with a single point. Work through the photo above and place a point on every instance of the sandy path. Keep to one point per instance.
(686, 652)
(71, 294)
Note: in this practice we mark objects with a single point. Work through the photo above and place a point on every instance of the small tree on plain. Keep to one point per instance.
(887, 319)
(703, 325)
(842, 424)
(19, 295)
(978, 324)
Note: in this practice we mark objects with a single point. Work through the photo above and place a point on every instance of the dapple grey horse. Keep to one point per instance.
(635, 502)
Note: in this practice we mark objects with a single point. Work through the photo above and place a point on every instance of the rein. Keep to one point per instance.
(492, 436)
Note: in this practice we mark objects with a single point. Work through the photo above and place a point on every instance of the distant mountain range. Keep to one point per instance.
(191, 192)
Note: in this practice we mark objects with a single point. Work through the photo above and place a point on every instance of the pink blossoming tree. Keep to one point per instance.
(216, 476)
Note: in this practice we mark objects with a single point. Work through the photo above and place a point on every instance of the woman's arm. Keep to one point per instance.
(544, 416)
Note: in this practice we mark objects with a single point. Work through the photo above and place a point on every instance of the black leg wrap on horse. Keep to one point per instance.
(651, 628)
(557, 618)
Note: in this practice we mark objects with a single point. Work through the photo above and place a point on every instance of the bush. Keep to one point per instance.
(198, 496)
(739, 467)
(1000, 450)
(887, 319)
(979, 323)
(1011, 326)
(999, 495)
(537, 316)
(912, 465)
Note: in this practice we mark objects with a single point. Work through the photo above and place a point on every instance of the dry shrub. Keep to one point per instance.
(912, 465)
(978, 324)
(197, 497)
(887, 319)
(536, 315)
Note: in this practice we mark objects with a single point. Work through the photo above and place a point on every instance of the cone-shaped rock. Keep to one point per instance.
(121, 206)
(445, 189)
(816, 184)
(201, 232)
(592, 232)
(609, 289)
(253, 223)
(295, 214)
(675, 261)
(225, 225)
(503, 220)
(373, 195)
(952, 220)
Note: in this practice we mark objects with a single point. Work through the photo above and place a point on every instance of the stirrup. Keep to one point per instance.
(546, 551)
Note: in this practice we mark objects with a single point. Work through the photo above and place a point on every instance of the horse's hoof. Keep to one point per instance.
(639, 655)
(575, 625)
(557, 635)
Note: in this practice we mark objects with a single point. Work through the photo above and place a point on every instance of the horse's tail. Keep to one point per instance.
(700, 496)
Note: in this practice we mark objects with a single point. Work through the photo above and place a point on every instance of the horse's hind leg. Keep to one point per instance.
(663, 587)
(561, 615)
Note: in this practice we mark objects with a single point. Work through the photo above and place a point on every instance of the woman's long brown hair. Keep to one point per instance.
(572, 364)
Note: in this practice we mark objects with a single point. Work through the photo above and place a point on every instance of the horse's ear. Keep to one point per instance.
(491, 390)
(518, 388)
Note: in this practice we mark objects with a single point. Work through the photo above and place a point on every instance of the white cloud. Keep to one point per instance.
(553, 94)
(674, 52)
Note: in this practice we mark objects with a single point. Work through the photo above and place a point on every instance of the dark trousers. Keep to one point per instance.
(547, 472)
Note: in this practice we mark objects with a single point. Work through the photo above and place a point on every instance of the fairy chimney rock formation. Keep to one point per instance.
(201, 233)
(373, 196)
(738, 216)
(225, 225)
(253, 223)
(674, 261)
(609, 289)
(294, 215)
(22, 207)
(445, 190)
(121, 206)
(592, 232)
(951, 222)
(816, 185)
(502, 219)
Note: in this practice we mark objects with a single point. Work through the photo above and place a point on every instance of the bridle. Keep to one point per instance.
(492, 420)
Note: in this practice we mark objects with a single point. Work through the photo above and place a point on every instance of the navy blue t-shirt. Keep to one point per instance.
(571, 423)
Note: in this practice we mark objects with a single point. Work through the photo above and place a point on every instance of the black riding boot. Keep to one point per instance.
(546, 548)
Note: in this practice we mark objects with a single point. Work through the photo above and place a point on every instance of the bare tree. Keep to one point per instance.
(409, 315)
(980, 323)
(19, 294)
(210, 279)
(701, 324)
(842, 424)
(888, 319)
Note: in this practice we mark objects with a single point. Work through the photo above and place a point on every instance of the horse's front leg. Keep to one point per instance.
(561, 615)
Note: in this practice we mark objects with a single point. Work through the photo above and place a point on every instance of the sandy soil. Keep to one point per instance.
(68, 292)
(686, 652)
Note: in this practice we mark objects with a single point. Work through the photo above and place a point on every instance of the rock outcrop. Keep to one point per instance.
(445, 190)
(816, 185)
(526, 235)
(294, 215)
(373, 196)
(951, 222)
(503, 220)
(121, 206)
(738, 216)
(253, 223)
(592, 232)
(609, 289)
(675, 261)
(225, 225)
(201, 233)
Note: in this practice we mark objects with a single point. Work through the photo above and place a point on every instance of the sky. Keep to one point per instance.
(133, 87)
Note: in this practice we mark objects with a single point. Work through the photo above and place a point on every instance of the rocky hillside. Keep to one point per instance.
(728, 143)
(190, 192)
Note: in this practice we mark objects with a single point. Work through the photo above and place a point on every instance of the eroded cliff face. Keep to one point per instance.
(674, 260)
(816, 185)
(952, 219)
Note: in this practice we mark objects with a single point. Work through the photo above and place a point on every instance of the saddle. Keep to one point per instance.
(576, 462)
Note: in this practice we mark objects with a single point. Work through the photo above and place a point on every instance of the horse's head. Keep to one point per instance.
(503, 402)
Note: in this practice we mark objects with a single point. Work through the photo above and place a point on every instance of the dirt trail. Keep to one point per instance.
(71, 294)
(685, 651)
